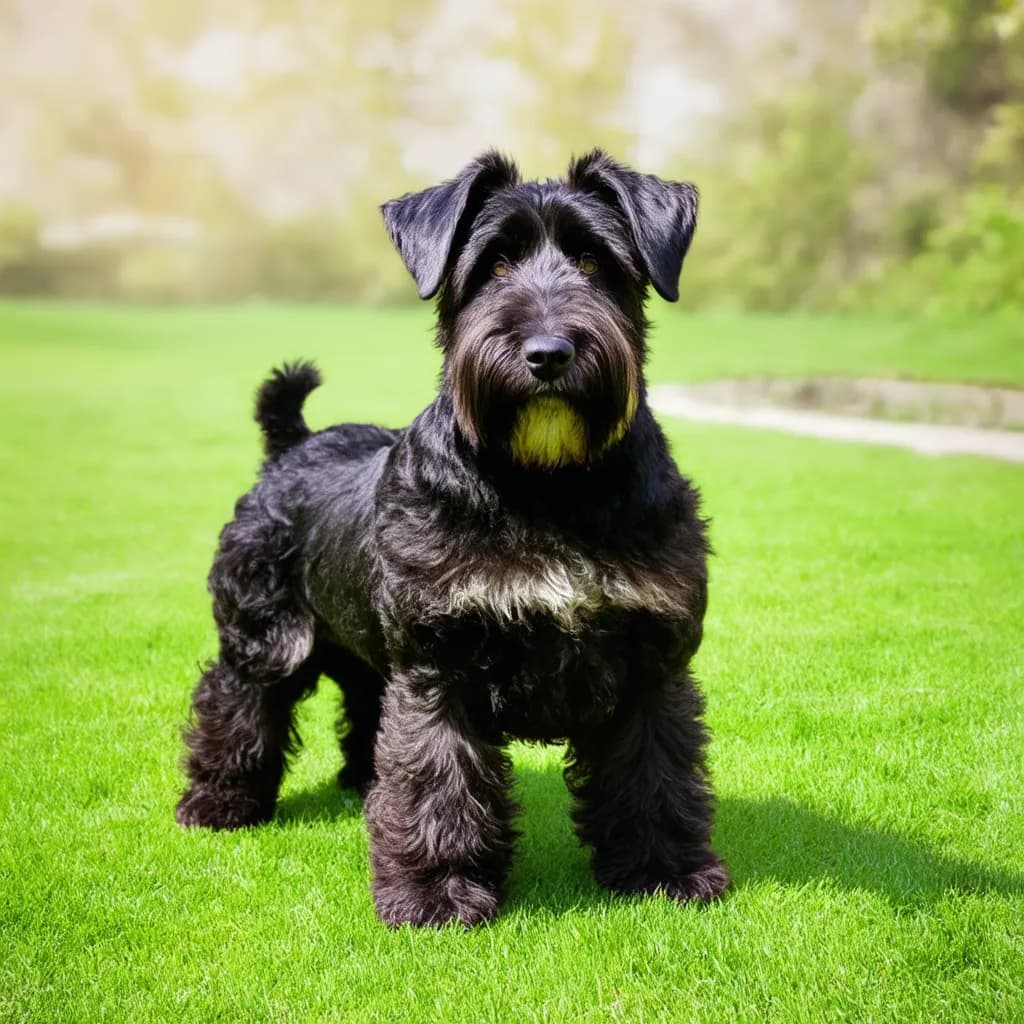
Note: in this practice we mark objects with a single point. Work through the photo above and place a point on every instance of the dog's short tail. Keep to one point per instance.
(279, 406)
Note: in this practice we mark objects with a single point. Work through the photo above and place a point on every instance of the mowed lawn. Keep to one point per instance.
(863, 664)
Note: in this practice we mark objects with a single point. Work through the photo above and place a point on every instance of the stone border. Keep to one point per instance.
(924, 438)
(907, 401)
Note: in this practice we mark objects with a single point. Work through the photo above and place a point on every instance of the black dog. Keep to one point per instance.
(524, 561)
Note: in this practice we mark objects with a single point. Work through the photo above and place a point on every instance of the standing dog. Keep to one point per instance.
(523, 561)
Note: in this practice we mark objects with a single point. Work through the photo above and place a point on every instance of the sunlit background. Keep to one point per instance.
(851, 153)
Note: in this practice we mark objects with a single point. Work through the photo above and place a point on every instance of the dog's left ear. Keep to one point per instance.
(423, 225)
(661, 214)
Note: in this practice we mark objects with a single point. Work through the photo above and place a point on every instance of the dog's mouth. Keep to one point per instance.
(555, 388)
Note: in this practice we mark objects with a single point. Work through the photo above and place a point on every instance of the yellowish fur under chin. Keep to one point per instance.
(548, 433)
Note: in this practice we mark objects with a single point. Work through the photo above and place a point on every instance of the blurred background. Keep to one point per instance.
(860, 154)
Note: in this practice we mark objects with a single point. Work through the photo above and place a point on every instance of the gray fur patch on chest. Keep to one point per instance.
(566, 589)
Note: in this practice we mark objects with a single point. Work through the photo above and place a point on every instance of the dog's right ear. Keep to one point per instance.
(423, 225)
(661, 214)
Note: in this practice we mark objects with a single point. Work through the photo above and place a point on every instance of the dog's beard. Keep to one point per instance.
(499, 404)
(548, 427)
(548, 433)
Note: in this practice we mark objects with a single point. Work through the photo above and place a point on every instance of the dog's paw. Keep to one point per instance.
(220, 809)
(705, 884)
(452, 899)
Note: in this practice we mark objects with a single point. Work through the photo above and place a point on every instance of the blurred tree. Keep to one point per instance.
(963, 251)
(886, 175)
(777, 228)
(859, 151)
(964, 46)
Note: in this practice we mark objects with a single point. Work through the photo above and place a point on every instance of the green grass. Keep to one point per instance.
(863, 665)
(986, 350)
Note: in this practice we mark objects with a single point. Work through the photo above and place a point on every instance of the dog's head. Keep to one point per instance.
(541, 291)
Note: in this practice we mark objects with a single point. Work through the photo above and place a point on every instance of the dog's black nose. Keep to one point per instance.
(548, 358)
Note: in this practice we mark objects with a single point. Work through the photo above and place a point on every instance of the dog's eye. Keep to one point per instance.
(588, 264)
(499, 269)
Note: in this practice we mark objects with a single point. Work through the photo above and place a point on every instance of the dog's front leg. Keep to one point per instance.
(643, 803)
(440, 813)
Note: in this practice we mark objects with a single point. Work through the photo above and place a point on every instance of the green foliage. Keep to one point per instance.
(308, 259)
(22, 265)
(819, 203)
(969, 264)
(964, 250)
(19, 230)
(960, 44)
(1001, 153)
(776, 228)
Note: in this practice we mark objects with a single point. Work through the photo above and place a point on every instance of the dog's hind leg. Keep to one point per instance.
(238, 745)
(642, 801)
(242, 729)
(362, 689)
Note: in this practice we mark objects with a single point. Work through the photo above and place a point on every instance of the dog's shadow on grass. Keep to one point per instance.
(778, 839)
(328, 802)
(771, 839)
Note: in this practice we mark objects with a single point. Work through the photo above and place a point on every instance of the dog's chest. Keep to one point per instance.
(533, 678)
(569, 589)
(544, 643)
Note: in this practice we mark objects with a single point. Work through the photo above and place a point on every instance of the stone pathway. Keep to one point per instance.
(925, 438)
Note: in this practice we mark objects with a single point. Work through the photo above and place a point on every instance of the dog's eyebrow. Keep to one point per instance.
(570, 221)
(523, 221)
(516, 226)
(522, 225)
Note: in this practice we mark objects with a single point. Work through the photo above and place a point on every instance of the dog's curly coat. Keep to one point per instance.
(524, 560)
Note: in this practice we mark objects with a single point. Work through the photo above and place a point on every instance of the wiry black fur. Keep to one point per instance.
(461, 596)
